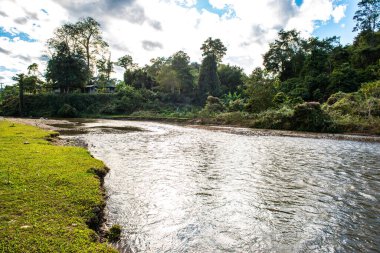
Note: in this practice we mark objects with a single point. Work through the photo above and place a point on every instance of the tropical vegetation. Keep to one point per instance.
(321, 75)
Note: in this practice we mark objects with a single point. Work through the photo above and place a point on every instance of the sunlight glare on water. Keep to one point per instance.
(185, 189)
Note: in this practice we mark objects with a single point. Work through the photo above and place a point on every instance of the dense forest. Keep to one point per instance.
(308, 84)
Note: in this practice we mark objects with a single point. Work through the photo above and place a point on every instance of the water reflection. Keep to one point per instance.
(181, 189)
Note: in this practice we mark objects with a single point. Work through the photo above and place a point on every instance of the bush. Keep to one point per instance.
(67, 111)
(114, 233)
(309, 116)
(274, 119)
(213, 105)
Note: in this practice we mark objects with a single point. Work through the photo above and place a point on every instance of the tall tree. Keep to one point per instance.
(33, 69)
(214, 47)
(33, 83)
(169, 80)
(231, 78)
(67, 71)
(208, 82)
(126, 62)
(66, 34)
(83, 37)
(286, 55)
(260, 90)
(367, 17)
(180, 62)
(20, 79)
(105, 68)
(90, 37)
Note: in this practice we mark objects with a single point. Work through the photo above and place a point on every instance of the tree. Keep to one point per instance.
(169, 81)
(66, 34)
(20, 79)
(105, 68)
(33, 69)
(32, 83)
(126, 62)
(90, 37)
(208, 82)
(286, 55)
(260, 91)
(214, 47)
(180, 63)
(83, 37)
(139, 79)
(67, 71)
(231, 78)
(367, 17)
(156, 64)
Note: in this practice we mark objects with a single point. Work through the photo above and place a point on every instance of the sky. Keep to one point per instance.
(147, 29)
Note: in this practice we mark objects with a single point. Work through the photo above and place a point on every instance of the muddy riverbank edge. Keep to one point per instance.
(239, 129)
(97, 220)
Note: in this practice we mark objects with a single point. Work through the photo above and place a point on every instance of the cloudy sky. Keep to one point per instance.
(147, 29)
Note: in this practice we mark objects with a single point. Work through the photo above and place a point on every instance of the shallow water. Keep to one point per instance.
(184, 189)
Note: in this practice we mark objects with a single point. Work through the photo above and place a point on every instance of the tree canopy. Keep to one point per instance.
(367, 17)
(214, 47)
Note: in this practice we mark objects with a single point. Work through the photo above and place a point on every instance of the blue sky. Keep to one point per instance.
(147, 29)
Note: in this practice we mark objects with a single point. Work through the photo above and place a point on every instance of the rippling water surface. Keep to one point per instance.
(185, 189)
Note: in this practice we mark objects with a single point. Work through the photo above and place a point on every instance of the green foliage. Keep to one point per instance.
(358, 111)
(47, 194)
(67, 111)
(371, 89)
(215, 48)
(260, 91)
(213, 105)
(114, 233)
(126, 62)
(233, 102)
(280, 98)
(139, 78)
(180, 63)
(367, 16)
(303, 117)
(274, 119)
(309, 116)
(169, 80)
(208, 82)
(231, 78)
(67, 72)
(286, 55)
(81, 40)
(364, 103)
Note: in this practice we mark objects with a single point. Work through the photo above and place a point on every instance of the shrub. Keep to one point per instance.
(67, 111)
(114, 233)
(309, 116)
(280, 98)
(213, 105)
(274, 119)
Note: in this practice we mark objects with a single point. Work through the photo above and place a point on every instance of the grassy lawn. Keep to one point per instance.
(47, 193)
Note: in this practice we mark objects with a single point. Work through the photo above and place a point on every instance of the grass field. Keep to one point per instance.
(47, 194)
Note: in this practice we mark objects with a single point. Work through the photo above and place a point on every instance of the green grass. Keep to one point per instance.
(47, 194)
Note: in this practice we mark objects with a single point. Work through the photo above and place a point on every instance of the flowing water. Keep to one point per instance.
(185, 189)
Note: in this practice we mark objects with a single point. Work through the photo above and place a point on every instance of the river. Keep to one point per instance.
(187, 189)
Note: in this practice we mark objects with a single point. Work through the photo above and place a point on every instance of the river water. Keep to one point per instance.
(186, 189)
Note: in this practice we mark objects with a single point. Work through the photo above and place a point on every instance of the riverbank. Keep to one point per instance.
(75, 126)
(50, 195)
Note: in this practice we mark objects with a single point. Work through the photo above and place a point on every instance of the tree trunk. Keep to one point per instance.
(21, 98)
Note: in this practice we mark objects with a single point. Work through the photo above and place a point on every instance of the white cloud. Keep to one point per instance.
(339, 13)
(174, 24)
